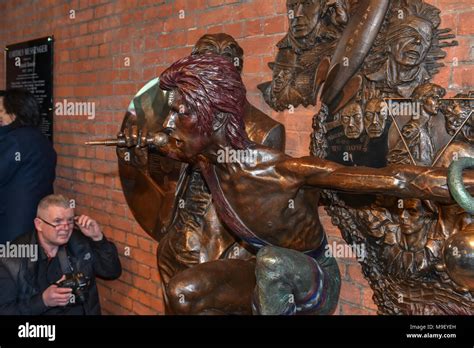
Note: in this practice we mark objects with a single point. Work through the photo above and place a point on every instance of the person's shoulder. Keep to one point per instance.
(31, 140)
(8, 138)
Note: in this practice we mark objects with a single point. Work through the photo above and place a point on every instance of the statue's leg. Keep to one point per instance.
(168, 263)
(168, 266)
(216, 287)
(290, 282)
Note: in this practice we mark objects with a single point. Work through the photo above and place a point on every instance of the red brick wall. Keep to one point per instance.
(90, 52)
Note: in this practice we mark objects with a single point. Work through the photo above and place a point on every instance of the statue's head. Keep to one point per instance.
(315, 18)
(456, 112)
(283, 69)
(410, 40)
(414, 214)
(304, 16)
(207, 96)
(352, 121)
(221, 44)
(281, 78)
(375, 117)
(428, 95)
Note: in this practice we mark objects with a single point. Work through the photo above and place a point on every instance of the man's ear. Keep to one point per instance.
(219, 120)
(37, 223)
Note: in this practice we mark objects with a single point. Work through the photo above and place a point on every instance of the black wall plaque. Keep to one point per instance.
(29, 65)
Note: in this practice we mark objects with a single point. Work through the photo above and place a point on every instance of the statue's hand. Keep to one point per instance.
(129, 153)
(130, 132)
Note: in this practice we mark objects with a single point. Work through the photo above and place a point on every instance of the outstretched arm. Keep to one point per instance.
(400, 180)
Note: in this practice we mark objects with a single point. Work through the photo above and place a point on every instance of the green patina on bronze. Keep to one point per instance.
(456, 185)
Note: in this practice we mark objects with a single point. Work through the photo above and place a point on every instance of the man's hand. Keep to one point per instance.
(55, 296)
(89, 227)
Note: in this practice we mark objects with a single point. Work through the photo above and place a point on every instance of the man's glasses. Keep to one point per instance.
(56, 226)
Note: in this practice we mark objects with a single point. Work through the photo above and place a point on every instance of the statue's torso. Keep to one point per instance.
(273, 205)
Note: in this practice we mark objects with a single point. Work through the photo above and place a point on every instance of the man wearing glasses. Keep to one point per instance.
(71, 252)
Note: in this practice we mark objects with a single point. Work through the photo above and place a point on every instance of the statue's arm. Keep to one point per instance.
(401, 181)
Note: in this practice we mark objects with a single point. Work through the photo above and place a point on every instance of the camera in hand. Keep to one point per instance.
(78, 282)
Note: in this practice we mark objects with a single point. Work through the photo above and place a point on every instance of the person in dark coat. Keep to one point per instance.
(27, 163)
(63, 246)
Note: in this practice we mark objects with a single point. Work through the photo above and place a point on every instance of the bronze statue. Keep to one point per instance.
(408, 47)
(343, 30)
(417, 132)
(149, 181)
(285, 190)
(458, 116)
(459, 265)
(314, 27)
(458, 253)
(375, 117)
(243, 234)
(416, 246)
(352, 120)
(409, 266)
(408, 42)
(170, 200)
(196, 235)
(282, 93)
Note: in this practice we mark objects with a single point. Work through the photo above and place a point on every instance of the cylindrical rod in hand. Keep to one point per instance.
(107, 142)
(158, 139)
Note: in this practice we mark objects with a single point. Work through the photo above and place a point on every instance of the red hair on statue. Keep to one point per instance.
(210, 85)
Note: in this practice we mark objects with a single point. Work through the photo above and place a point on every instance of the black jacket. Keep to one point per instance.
(27, 172)
(20, 290)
